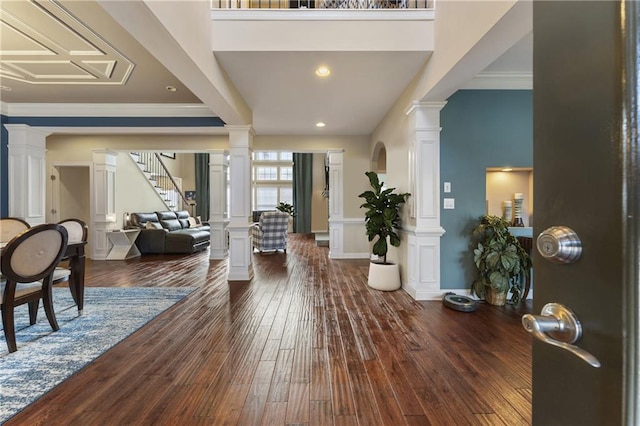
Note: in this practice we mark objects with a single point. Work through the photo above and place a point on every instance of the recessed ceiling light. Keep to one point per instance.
(171, 89)
(323, 71)
(507, 169)
(6, 88)
(320, 124)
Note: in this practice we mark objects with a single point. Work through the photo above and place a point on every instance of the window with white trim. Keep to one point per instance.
(272, 179)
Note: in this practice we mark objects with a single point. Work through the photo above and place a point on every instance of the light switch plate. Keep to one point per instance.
(449, 203)
(447, 187)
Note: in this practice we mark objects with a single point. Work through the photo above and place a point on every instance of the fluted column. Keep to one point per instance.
(336, 204)
(103, 210)
(423, 242)
(240, 248)
(218, 221)
(27, 173)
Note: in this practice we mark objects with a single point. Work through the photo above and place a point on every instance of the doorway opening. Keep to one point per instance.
(70, 195)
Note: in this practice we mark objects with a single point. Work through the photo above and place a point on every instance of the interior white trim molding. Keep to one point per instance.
(136, 131)
(501, 81)
(323, 15)
(439, 294)
(106, 110)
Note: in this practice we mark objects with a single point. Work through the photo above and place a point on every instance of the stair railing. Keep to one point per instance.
(164, 181)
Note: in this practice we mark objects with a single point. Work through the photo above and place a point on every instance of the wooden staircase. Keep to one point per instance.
(164, 184)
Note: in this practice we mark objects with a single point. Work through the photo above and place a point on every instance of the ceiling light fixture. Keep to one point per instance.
(320, 124)
(323, 71)
(507, 169)
(171, 89)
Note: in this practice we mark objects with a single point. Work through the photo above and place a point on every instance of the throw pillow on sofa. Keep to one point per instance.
(193, 222)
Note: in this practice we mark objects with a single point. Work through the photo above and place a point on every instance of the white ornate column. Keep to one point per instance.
(218, 221)
(423, 242)
(27, 173)
(103, 202)
(240, 249)
(336, 204)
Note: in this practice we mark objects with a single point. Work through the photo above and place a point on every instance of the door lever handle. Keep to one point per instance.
(558, 326)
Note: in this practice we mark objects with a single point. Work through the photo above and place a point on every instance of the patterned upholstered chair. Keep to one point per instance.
(270, 233)
(27, 264)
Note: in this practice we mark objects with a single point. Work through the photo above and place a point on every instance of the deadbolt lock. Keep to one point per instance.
(559, 244)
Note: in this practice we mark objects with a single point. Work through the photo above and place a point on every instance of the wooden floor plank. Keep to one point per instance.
(305, 342)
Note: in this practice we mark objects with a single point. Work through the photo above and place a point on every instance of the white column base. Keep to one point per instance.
(101, 245)
(240, 252)
(423, 263)
(336, 249)
(219, 248)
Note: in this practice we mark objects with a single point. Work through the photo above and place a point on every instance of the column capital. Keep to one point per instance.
(421, 106)
(218, 157)
(425, 116)
(240, 128)
(25, 128)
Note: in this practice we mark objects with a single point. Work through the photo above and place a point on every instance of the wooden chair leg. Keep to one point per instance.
(47, 302)
(33, 311)
(9, 328)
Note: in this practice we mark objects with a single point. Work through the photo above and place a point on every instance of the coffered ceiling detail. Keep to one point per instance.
(68, 53)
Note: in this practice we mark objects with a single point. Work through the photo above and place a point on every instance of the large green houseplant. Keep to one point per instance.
(382, 219)
(501, 262)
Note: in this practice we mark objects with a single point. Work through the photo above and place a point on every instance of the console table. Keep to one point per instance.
(124, 246)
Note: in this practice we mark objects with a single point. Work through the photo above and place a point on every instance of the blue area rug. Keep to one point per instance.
(45, 358)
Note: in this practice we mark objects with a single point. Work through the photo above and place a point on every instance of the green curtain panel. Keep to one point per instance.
(302, 191)
(202, 186)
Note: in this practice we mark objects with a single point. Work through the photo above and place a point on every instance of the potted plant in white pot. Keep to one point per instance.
(382, 218)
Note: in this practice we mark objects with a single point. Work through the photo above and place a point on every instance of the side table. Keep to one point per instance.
(124, 246)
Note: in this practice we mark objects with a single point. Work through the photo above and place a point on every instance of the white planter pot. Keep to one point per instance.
(384, 277)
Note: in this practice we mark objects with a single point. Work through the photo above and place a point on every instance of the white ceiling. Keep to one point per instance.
(288, 98)
(37, 41)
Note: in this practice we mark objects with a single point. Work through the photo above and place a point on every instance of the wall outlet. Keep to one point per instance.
(449, 203)
(447, 187)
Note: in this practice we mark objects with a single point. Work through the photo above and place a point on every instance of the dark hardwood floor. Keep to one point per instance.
(305, 342)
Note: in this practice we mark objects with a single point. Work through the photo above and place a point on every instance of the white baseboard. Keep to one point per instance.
(349, 256)
(439, 294)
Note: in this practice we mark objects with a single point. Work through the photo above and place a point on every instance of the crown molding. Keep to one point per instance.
(501, 81)
(106, 110)
(208, 130)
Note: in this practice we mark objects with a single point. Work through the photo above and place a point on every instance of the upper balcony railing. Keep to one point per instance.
(322, 4)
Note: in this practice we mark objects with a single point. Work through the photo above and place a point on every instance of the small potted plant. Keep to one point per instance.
(287, 208)
(500, 260)
(382, 218)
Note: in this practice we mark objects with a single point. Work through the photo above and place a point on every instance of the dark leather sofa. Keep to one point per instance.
(169, 232)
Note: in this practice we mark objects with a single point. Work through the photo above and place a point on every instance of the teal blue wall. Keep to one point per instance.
(480, 129)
